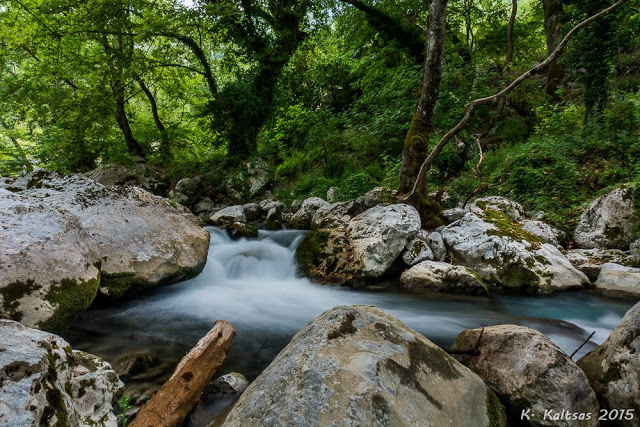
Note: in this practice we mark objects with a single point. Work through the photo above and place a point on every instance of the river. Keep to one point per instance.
(253, 284)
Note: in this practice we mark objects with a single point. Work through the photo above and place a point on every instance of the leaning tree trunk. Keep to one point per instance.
(553, 31)
(416, 144)
(509, 58)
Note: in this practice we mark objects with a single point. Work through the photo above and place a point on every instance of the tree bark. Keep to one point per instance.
(416, 143)
(21, 153)
(509, 57)
(420, 181)
(175, 399)
(156, 117)
(553, 31)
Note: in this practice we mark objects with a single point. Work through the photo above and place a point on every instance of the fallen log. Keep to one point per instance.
(181, 393)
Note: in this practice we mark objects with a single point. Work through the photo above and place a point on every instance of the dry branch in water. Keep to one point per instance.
(420, 182)
(175, 399)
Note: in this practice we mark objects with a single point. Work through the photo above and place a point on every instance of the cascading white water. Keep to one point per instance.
(253, 284)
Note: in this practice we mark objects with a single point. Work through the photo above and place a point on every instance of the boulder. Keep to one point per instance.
(335, 215)
(49, 266)
(615, 279)
(229, 385)
(379, 195)
(247, 181)
(142, 175)
(453, 214)
(331, 194)
(504, 254)
(362, 250)
(417, 249)
(134, 364)
(613, 368)
(302, 218)
(437, 246)
(360, 366)
(228, 215)
(608, 222)
(43, 382)
(511, 209)
(251, 211)
(544, 231)
(634, 249)
(590, 261)
(204, 206)
(135, 239)
(528, 372)
(190, 187)
(441, 276)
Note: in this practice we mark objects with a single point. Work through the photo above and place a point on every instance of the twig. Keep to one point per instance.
(582, 345)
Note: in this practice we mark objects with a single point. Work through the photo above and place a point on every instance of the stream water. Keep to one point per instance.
(253, 284)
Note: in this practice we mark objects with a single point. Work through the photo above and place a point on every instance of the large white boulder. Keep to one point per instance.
(228, 215)
(360, 366)
(364, 249)
(43, 382)
(441, 276)
(613, 368)
(494, 245)
(529, 374)
(617, 279)
(302, 217)
(608, 222)
(133, 238)
(335, 215)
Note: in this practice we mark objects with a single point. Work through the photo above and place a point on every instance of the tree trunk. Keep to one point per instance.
(416, 144)
(553, 31)
(121, 117)
(21, 153)
(175, 399)
(164, 143)
(509, 58)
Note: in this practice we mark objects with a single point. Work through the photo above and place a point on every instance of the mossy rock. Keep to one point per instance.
(326, 256)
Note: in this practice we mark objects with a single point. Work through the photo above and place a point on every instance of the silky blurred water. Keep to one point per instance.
(253, 284)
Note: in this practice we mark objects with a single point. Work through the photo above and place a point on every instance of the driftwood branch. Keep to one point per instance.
(419, 184)
(175, 399)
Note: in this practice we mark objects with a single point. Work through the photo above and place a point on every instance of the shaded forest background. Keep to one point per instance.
(324, 92)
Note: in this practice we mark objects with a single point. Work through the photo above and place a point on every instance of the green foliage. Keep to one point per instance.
(124, 404)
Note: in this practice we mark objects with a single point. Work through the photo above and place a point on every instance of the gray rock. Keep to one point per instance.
(635, 249)
(504, 254)
(608, 222)
(141, 175)
(251, 211)
(43, 382)
(178, 197)
(134, 238)
(511, 209)
(190, 187)
(364, 249)
(331, 194)
(442, 277)
(203, 206)
(229, 385)
(296, 205)
(545, 232)
(228, 215)
(527, 371)
(590, 261)
(613, 368)
(302, 218)
(454, 214)
(250, 180)
(435, 242)
(615, 279)
(335, 215)
(417, 250)
(379, 195)
(360, 366)
(134, 364)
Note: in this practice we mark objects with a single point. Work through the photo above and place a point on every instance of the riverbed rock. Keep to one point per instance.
(232, 384)
(544, 231)
(134, 364)
(609, 222)
(228, 215)
(453, 214)
(634, 249)
(302, 218)
(49, 267)
(204, 206)
(251, 211)
(335, 215)
(417, 249)
(613, 368)
(491, 243)
(43, 382)
(511, 209)
(527, 371)
(142, 175)
(135, 239)
(379, 195)
(360, 366)
(443, 277)
(590, 261)
(435, 242)
(615, 279)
